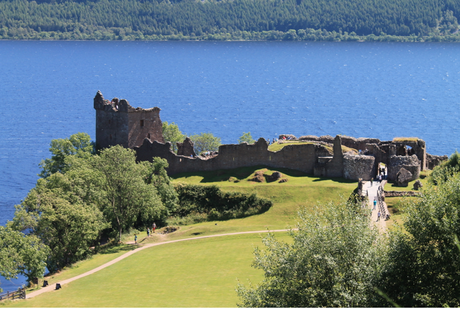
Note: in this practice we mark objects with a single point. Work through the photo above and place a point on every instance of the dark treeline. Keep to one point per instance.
(230, 19)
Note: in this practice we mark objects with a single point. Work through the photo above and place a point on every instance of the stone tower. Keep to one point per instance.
(118, 123)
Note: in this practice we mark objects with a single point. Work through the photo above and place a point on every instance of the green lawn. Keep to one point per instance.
(396, 207)
(288, 197)
(281, 144)
(197, 273)
(86, 265)
(396, 204)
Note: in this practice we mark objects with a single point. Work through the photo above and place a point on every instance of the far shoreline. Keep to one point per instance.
(267, 36)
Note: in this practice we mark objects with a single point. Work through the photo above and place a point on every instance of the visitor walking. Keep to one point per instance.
(154, 226)
(378, 217)
(135, 238)
(375, 204)
(148, 232)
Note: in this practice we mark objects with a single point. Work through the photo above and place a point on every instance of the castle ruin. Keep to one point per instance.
(141, 129)
(118, 123)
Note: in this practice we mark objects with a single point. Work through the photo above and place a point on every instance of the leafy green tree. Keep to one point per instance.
(158, 177)
(78, 144)
(246, 138)
(333, 261)
(21, 254)
(57, 213)
(171, 133)
(423, 267)
(205, 142)
(69, 210)
(127, 194)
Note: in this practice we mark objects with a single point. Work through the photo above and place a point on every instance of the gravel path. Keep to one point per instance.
(372, 194)
(63, 282)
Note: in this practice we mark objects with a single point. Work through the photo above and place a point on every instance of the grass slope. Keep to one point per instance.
(196, 273)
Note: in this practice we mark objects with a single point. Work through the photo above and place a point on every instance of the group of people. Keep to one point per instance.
(275, 140)
(379, 214)
(284, 138)
(387, 217)
(154, 226)
(208, 153)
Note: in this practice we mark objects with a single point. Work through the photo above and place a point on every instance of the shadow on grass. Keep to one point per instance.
(340, 180)
(117, 248)
(239, 174)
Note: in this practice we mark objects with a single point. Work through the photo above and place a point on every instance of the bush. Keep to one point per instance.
(446, 169)
(217, 205)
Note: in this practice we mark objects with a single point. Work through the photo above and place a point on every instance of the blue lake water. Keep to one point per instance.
(380, 90)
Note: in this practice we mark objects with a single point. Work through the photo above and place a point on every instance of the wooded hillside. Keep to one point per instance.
(230, 19)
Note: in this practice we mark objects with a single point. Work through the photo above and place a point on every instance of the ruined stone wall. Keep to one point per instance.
(401, 193)
(410, 163)
(358, 143)
(358, 166)
(432, 160)
(296, 157)
(118, 123)
(186, 148)
(331, 167)
(418, 148)
(314, 159)
(144, 123)
(300, 157)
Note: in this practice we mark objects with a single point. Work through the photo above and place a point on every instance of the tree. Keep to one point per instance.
(158, 177)
(424, 261)
(127, 194)
(59, 212)
(78, 144)
(205, 142)
(246, 138)
(89, 195)
(21, 254)
(333, 261)
(171, 133)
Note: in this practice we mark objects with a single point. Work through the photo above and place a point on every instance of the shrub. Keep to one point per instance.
(215, 204)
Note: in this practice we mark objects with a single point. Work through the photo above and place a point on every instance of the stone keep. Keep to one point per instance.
(118, 123)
